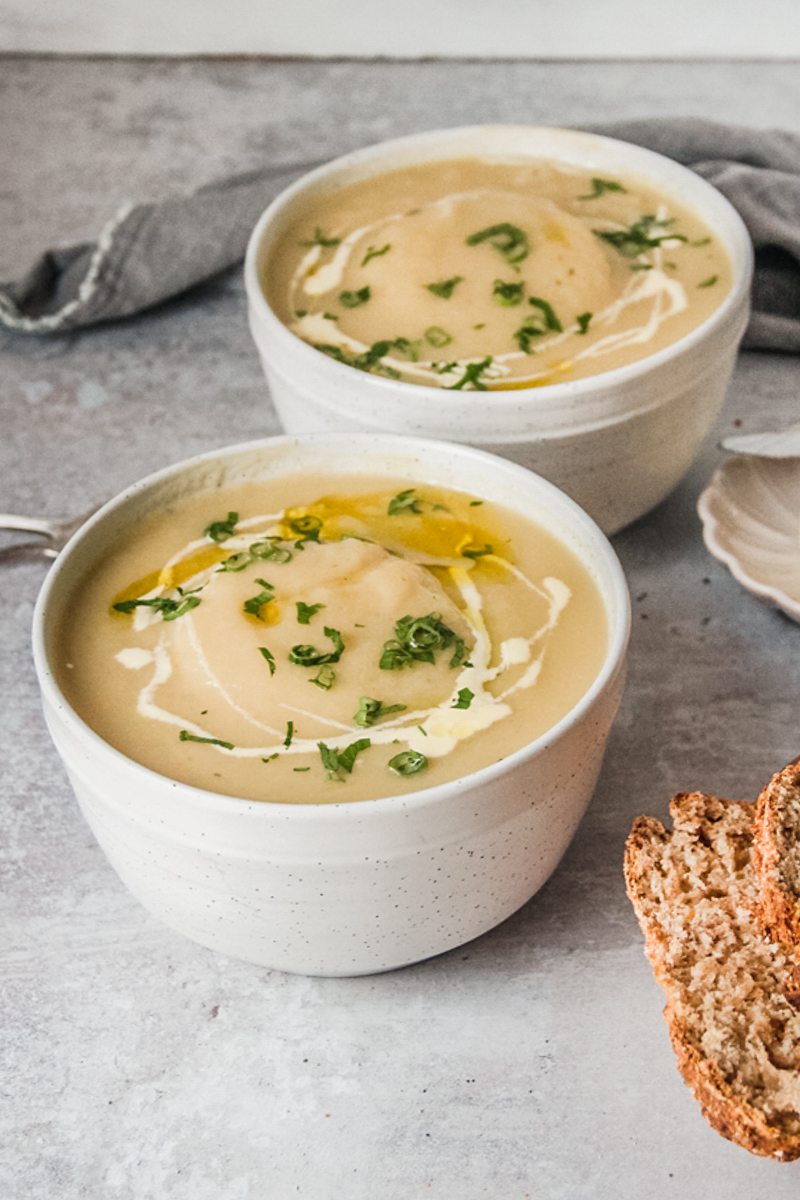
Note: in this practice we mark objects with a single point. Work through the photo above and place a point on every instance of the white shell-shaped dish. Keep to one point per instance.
(751, 522)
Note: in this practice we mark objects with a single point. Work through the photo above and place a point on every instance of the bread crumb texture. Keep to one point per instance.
(777, 855)
(732, 996)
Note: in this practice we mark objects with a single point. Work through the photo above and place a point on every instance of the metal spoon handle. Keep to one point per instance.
(49, 529)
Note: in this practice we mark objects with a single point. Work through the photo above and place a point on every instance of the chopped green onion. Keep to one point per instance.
(507, 294)
(472, 376)
(468, 552)
(355, 299)
(599, 186)
(319, 239)
(370, 711)
(437, 337)
(310, 656)
(409, 762)
(404, 502)
(639, 237)
(583, 320)
(254, 605)
(324, 679)
(373, 253)
(306, 611)
(465, 698)
(220, 531)
(445, 287)
(287, 741)
(508, 240)
(168, 608)
(712, 279)
(185, 736)
(269, 657)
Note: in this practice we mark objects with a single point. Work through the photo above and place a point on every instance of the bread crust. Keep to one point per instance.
(703, 818)
(780, 902)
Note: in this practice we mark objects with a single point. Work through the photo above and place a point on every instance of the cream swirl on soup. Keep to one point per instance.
(478, 274)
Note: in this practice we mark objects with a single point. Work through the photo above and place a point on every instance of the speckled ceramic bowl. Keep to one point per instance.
(617, 442)
(349, 888)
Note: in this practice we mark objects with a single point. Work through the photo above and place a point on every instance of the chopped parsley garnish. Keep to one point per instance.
(418, 639)
(306, 611)
(325, 678)
(168, 608)
(445, 287)
(370, 711)
(599, 186)
(507, 294)
(465, 698)
(583, 320)
(537, 324)
(404, 502)
(437, 337)
(354, 299)
(373, 253)
(472, 376)
(712, 279)
(310, 656)
(220, 531)
(319, 239)
(468, 552)
(185, 736)
(307, 528)
(254, 605)
(287, 741)
(508, 240)
(269, 657)
(645, 234)
(369, 360)
(336, 761)
(409, 762)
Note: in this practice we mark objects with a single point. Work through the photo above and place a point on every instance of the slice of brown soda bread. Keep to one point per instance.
(777, 856)
(732, 996)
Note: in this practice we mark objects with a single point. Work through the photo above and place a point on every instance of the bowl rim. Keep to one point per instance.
(534, 397)
(616, 599)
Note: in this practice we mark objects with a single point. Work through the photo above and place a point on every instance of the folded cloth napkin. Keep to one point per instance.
(151, 252)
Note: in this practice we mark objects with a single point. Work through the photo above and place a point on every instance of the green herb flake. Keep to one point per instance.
(299, 769)
(270, 550)
(508, 240)
(254, 605)
(469, 552)
(404, 502)
(705, 241)
(220, 531)
(373, 253)
(465, 698)
(475, 503)
(325, 678)
(307, 527)
(319, 239)
(355, 299)
(185, 736)
(445, 287)
(271, 758)
(310, 656)
(712, 279)
(437, 337)
(418, 639)
(472, 376)
(306, 611)
(329, 316)
(645, 234)
(168, 608)
(268, 657)
(370, 711)
(537, 324)
(409, 762)
(287, 741)
(583, 320)
(336, 761)
(600, 186)
(507, 294)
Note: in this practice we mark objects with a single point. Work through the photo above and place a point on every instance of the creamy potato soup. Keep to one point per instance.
(469, 274)
(329, 639)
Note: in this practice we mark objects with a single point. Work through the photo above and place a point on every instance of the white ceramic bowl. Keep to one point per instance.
(339, 889)
(616, 442)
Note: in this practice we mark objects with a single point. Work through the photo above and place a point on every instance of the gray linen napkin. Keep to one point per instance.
(151, 252)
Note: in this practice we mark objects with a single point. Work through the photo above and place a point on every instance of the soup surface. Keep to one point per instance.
(328, 639)
(495, 274)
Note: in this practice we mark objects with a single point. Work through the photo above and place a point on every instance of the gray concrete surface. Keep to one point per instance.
(532, 1063)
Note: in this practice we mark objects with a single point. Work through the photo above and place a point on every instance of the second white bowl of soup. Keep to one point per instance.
(334, 704)
(567, 300)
